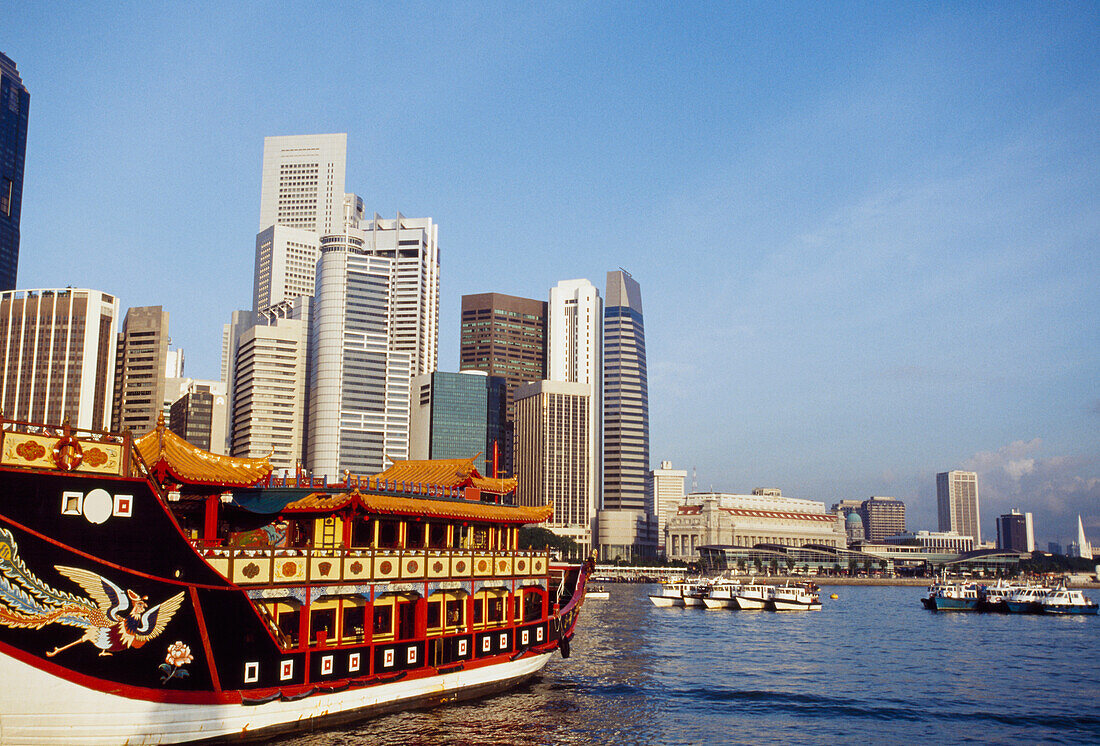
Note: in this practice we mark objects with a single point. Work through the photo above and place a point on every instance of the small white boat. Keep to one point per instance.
(795, 597)
(598, 592)
(753, 597)
(671, 594)
(695, 592)
(1027, 600)
(723, 595)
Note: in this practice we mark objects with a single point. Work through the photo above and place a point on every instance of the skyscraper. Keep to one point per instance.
(503, 335)
(882, 517)
(554, 461)
(625, 396)
(199, 417)
(957, 503)
(57, 352)
(359, 380)
(266, 372)
(140, 366)
(666, 487)
(458, 415)
(303, 182)
(15, 104)
(1016, 532)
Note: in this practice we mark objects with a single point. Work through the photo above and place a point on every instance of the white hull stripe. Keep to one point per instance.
(46, 709)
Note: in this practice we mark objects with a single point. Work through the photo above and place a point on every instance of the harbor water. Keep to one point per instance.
(871, 667)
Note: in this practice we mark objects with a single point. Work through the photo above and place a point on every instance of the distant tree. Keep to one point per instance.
(537, 537)
(883, 564)
(741, 565)
(775, 567)
(790, 563)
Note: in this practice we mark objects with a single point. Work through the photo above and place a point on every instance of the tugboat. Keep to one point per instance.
(152, 592)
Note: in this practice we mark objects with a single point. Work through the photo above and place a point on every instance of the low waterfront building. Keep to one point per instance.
(764, 517)
(948, 540)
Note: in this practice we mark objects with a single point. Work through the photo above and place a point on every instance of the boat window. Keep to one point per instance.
(414, 535)
(354, 622)
(322, 625)
(437, 535)
(496, 610)
(383, 620)
(388, 534)
(406, 620)
(455, 613)
(289, 624)
(532, 606)
(517, 613)
(479, 604)
(362, 532)
(435, 614)
(481, 538)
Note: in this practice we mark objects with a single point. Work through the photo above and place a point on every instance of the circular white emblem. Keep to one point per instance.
(98, 505)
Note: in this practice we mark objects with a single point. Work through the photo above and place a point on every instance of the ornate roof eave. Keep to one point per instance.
(169, 455)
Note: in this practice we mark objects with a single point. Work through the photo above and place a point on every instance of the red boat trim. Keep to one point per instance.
(205, 640)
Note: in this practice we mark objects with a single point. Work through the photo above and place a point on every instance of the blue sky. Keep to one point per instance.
(866, 234)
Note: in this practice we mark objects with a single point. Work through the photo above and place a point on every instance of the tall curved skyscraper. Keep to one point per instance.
(625, 396)
(15, 103)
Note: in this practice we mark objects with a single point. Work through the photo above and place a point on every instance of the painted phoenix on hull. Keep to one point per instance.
(219, 602)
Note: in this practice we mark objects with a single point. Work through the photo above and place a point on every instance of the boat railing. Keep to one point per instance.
(298, 566)
(66, 448)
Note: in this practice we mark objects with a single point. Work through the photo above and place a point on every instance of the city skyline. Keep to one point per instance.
(876, 223)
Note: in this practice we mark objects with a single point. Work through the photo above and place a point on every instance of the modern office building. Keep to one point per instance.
(412, 244)
(574, 352)
(140, 365)
(625, 396)
(882, 517)
(459, 415)
(58, 356)
(553, 456)
(199, 417)
(1054, 547)
(359, 379)
(303, 182)
(957, 503)
(665, 488)
(267, 383)
(1016, 532)
(15, 104)
(503, 335)
(762, 518)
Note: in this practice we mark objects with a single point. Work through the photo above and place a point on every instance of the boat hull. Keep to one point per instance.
(47, 709)
(751, 604)
(1023, 607)
(1089, 609)
(720, 603)
(956, 604)
(664, 601)
(795, 606)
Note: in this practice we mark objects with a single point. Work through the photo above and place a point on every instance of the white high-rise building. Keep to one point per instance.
(664, 492)
(302, 198)
(553, 457)
(267, 383)
(1082, 547)
(413, 246)
(957, 503)
(359, 382)
(303, 182)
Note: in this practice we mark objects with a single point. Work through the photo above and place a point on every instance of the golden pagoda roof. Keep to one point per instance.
(167, 454)
(450, 473)
(464, 510)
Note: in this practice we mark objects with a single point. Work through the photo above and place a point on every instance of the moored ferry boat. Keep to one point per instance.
(753, 596)
(151, 592)
(995, 597)
(795, 597)
(1027, 599)
(957, 597)
(1065, 600)
(722, 595)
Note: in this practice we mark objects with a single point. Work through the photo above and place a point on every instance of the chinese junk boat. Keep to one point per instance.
(151, 592)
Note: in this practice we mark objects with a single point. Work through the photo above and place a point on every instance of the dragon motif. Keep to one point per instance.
(112, 619)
